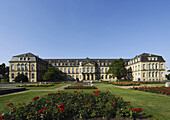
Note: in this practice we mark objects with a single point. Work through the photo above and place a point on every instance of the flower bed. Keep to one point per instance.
(62, 106)
(160, 90)
(154, 82)
(126, 83)
(36, 85)
(81, 87)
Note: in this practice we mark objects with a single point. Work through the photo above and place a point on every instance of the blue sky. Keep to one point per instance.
(84, 28)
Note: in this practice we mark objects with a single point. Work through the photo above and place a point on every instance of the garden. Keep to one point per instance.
(126, 83)
(65, 105)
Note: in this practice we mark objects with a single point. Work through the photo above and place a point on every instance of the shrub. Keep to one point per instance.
(4, 80)
(81, 87)
(20, 78)
(61, 106)
(126, 83)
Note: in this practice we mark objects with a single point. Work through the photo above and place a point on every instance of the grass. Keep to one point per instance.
(159, 85)
(45, 88)
(154, 104)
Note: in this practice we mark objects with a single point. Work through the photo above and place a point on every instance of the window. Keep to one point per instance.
(152, 74)
(102, 76)
(149, 66)
(138, 67)
(26, 67)
(69, 70)
(76, 76)
(153, 66)
(18, 66)
(149, 74)
(161, 66)
(156, 66)
(61, 70)
(162, 74)
(135, 67)
(61, 64)
(22, 67)
(110, 77)
(105, 76)
(18, 74)
(33, 68)
(80, 76)
(33, 76)
(105, 70)
(73, 76)
(12, 67)
(80, 70)
(102, 70)
(144, 66)
(65, 70)
(83, 70)
(72, 70)
(156, 75)
(88, 70)
(26, 74)
(12, 75)
(143, 74)
(92, 70)
(102, 64)
(76, 70)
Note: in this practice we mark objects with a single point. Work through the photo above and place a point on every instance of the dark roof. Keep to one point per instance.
(26, 55)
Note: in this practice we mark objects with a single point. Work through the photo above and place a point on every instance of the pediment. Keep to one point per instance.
(89, 64)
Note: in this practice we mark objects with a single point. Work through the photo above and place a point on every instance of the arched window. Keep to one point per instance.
(69, 70)
(80, 70)
(143, 66)
(32, 75)
(33, 68)
(88, 69)
(156, 66)
(143, 74)
(72, 70)
(12, 67)
(65, 70)
(26, 74)
(156, 75)
(76, 70)
(153, 66)
(105, 70)
(18, 66)
(152, 74)
(12, 75)
(162, 74)
(149, 74)
(102, 76)
(105, 76)
(149, 66)
(91, 70)
(102, 70)
(22, 67)
(83, 70)
(161, 66)
(26, 67)
(61, 70)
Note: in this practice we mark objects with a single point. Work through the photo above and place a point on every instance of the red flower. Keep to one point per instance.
(121, 98)
(132, 109)
(137, 109)
(61, 110)
(44, 108)
(57, 93)
(141, 109)
(128, 102)
(35, 97)
(114, 102)
(113, 106)
(23, 103)
(14, 110)
(96, 95)
(81, 91)
(86, 103)
(19, 103)
(89, 106)
(59, 106)
(2, 117)
(49, 94)
(58, 100)
(9, 104)
(40, 111)
(75, 91)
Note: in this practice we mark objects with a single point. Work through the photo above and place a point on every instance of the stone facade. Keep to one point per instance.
(145, 67)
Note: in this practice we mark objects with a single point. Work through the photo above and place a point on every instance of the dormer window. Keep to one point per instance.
(20, 58)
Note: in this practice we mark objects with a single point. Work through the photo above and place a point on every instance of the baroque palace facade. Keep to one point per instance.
(145, 67)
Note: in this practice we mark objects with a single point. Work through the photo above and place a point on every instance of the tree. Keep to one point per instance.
(4, 70)
(168, 77)
(53, 74)
(21, 77)
(117, 69)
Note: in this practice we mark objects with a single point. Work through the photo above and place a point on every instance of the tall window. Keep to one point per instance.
(92, 70)
(33, 68)
(69, 70)
(161, 66)
(61, 70)
(153, 66)
(162, 74)
(80, 76)
(72, 70)
(144, 66)
(26, 74)
(26, 67)
(156, 75)
(73, 76)
(76, 70)
(22, 67)
(105, 76)
(88, 69)
(156, 66)
(102, 70)
(83, 70)
(76, 76)
(65, 70)
(12, 67)
(149, 66)
(102, 76)
(105, 70)
(152, 74)
(33, 76)
(12, 75)
(18, 66)
(80, 70)
(138, 67)
(143, 74)
(149, 74)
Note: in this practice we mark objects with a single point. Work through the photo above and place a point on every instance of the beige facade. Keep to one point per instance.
(145, 67)
(28, 64)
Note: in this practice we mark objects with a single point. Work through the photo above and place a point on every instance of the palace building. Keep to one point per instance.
(145, 67)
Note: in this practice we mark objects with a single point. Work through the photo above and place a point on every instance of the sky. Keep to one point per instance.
(84, 28)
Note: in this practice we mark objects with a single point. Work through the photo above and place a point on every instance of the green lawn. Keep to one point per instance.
(154, 104)
(159, 85)
(46, 88)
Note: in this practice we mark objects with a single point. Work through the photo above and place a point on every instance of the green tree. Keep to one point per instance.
(117, 69)
(20, 78)
(53, 74)
(4, 70)
(168, 76)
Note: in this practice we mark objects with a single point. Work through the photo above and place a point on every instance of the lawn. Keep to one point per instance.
(154, 104)
(159, 85)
